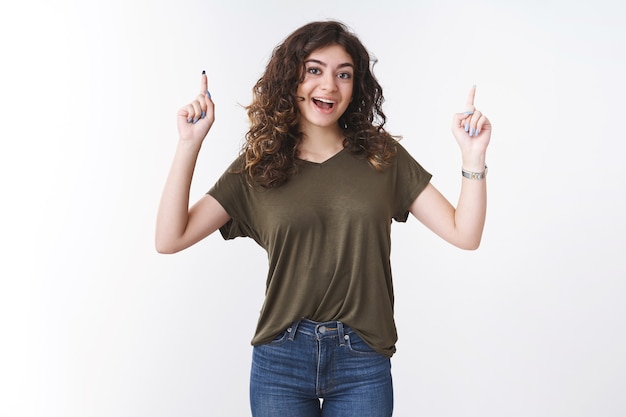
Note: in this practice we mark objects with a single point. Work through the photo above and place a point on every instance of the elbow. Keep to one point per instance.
(470, 245)
(164, 251)
(165, 248)
(468, 240)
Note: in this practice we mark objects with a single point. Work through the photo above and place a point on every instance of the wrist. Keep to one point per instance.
(188, 147)
(474, 164)
(474, 175)
(189, 143)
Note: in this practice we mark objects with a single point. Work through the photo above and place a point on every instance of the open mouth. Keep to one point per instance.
(323, 103)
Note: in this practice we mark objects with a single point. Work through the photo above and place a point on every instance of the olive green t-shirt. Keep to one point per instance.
(327, 235)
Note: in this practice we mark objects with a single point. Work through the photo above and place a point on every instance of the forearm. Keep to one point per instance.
(173, 213)
(470, 213)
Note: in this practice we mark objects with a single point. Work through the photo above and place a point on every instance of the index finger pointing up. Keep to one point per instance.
(204, 85)
(470, 96)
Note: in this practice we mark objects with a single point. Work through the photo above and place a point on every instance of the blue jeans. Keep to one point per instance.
(311, 361)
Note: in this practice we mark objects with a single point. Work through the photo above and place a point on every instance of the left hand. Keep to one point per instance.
(472, 131)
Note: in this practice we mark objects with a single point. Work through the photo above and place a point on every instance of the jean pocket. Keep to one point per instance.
(357, 346)
(280, 338)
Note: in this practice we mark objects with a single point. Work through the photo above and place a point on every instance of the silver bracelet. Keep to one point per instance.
(474, 175)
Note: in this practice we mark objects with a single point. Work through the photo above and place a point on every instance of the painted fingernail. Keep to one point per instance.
(195, 120)
(472, 131)
(477, 131)
(467, 127)
(202, 115)
(208, 94)
(203, 72)
(189, 120)
(467, 113)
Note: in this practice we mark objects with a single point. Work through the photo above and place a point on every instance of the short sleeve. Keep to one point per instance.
(231, 191)
(410, 180)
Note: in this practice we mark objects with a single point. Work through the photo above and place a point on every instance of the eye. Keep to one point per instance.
(313, 70)
(344, 75)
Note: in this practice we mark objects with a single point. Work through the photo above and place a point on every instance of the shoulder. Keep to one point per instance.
(401, 150)
(238, 165)
(402, 155)
(232, 178)
(405, 164)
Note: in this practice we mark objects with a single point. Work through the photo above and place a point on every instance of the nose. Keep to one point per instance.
(329, 82)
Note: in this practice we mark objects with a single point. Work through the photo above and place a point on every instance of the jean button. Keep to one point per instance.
(322, 329)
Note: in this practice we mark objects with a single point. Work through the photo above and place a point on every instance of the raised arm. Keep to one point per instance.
(461, 226)
(179, 226)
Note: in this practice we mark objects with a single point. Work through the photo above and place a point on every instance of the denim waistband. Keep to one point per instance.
(320, 330)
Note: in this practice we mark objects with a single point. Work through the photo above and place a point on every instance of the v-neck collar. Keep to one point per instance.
(323, 163)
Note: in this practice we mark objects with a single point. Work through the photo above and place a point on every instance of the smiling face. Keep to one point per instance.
(326, 90)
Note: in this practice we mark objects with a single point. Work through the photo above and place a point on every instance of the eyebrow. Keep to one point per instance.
(316, 61)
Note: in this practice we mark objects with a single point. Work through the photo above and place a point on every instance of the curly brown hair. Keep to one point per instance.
(270, 148)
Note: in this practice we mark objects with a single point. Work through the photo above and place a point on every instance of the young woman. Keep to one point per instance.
(317, 185)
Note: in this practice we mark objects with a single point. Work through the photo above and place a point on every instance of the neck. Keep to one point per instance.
(319, 144)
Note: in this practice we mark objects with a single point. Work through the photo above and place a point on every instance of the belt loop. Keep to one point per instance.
(342, 340)
(292, 330)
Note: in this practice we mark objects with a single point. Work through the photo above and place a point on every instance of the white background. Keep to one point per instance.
(93, 322)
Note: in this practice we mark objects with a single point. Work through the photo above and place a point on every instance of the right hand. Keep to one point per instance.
(472, 131)
(196, 118)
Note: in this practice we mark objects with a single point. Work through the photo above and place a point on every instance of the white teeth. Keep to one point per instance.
(323, 100)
